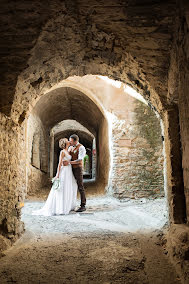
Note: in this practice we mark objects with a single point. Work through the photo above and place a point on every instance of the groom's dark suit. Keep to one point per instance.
(78, 173)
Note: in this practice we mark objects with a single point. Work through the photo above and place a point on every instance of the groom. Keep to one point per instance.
(78, 152)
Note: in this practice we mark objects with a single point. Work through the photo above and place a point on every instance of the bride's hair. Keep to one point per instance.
(62, 143)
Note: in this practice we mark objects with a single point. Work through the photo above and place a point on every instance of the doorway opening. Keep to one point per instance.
(65, 129)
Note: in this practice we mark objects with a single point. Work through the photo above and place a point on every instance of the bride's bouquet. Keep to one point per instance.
(56, 183)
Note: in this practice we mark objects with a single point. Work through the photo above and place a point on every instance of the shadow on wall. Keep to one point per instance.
(37, 154)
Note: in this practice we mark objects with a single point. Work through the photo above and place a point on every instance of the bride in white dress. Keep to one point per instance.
(62, 200)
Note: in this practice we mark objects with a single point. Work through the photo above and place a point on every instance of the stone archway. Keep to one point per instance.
(131, 42)
(98, 52)
(69, 84)
(61, 104)
(66, 129)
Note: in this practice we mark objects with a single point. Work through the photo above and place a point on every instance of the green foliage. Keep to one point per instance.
(148, 124)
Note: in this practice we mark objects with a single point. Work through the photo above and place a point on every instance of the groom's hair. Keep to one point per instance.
(74, 137)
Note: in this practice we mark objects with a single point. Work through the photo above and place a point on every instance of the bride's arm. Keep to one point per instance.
(62, 154)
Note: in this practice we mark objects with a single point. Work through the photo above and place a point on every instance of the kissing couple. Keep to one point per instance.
(69, 177)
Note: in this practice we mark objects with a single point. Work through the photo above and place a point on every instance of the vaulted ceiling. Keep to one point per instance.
(68, 103)
(144, 28)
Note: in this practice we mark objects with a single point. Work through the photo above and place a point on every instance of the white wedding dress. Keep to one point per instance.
(63, 200)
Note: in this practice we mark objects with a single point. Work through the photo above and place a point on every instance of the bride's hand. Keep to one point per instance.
(54, 178)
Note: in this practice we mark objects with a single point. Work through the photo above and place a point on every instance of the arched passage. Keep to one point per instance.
(63, 104)
(45, 71)
(112, 50)
(74, 39)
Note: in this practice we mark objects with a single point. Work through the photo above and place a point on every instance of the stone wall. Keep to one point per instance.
(183, 65)
(79, 48)
(12, 174)
(103, 156)
(177, 245)
(137, 154)
(71, 41)
(137, 151)
(76, 32)
(178, 99)
(37, 140)
(76, 42)
(67, 39)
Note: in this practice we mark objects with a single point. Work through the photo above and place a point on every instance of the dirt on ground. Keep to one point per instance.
(88, 250)
(88, 258)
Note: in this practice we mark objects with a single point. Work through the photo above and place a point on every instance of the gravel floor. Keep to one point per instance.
(104, 214)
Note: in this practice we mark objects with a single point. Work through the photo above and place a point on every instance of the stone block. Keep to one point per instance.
(125, 143)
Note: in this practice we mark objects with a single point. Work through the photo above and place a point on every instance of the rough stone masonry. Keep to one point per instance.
(144, 44)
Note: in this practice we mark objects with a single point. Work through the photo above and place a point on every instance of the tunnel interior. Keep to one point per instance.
(143, 43)
(60, 105)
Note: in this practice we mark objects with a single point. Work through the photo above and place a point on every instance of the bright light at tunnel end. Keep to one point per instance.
(127, 89)
(110, 118)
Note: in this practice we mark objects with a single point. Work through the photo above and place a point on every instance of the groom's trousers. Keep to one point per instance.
(78, 174)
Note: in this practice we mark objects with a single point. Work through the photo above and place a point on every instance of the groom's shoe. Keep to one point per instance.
(81, 209)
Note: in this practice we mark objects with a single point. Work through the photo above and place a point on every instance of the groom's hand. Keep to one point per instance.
(65, 163)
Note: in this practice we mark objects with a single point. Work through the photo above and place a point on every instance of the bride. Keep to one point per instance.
(62, 200)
